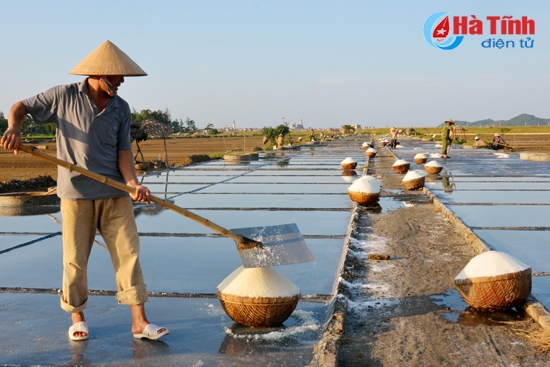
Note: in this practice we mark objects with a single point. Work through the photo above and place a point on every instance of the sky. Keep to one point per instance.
(261, 63)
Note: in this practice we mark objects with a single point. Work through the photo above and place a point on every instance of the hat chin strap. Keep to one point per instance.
(109, 86)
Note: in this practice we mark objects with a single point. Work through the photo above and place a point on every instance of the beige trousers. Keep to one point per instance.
(114, 218)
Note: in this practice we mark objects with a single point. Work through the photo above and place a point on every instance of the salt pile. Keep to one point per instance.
(348, 163)
(433, 167)
(491, 263)
(366, 184)
(365, 190)
(371, 152)
(413, 181)
(412, 175)
(401, 166)
(420, 158)
(257, 282)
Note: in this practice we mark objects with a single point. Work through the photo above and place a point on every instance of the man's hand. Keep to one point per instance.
(142, 193)
(11, 140)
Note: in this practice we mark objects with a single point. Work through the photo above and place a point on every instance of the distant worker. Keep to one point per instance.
(311, 134)
(446, 137)
(498, 142)
(393, 136)
(479, 143)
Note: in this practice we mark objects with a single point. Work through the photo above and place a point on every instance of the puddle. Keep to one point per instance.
(459, 311)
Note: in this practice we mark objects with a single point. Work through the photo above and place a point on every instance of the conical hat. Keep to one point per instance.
(107, 59)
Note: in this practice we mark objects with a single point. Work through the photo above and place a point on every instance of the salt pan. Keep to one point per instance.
(366, 184)
(491, 263)
(257, 282)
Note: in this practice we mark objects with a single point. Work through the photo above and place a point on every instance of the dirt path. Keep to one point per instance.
(406, 311)
(25, 166)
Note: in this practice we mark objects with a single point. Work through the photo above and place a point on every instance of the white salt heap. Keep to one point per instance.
(420, 156)
(400, 162)
(257, 282)
(412, 175)
(367, 185)
(433, 164)
(491, 263)
(348, 160)
(371, 150)
(365, 144)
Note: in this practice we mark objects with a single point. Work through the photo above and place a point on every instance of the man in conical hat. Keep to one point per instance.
(446, 137)
(93, 132)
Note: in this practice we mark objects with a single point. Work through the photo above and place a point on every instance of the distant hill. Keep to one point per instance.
(520, 120)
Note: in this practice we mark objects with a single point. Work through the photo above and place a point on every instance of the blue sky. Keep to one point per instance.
(328, 63)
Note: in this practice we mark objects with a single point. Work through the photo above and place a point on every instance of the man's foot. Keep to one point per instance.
(444, 156)
(152, 331)
(79, 329)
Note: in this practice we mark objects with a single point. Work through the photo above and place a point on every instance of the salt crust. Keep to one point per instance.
(400, 162)
(371, 150)
(420, 155)
(412, 175)
(433, 164)
(348, 160)
(257, 282)
(491, 263)
(366, 184)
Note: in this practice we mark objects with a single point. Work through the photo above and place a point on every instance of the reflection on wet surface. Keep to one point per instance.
(457, 310)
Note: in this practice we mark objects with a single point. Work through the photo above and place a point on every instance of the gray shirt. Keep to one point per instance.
(85, 137)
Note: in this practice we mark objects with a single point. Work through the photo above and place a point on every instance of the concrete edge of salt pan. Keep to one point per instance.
(366, 184)
(257, 282)
(491, 263)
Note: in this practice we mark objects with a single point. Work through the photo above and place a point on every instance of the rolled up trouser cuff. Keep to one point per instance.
(67, 307)
(136, 295)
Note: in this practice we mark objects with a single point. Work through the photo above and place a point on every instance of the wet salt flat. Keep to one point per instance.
(183, 263)
(503, 199)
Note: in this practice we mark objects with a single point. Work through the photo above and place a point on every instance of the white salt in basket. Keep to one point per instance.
(495, 292)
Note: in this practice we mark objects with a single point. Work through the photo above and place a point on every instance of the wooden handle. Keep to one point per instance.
(242, 242)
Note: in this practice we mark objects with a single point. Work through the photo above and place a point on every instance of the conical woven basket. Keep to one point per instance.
(496, 293)
(404, 168)
(383, 143)
(420, 160)
(363, 198)
(414, 184)
(433, 170)
(370, 154)
(351, 165)
(258, 312)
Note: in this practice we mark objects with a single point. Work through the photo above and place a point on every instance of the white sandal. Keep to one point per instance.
(79, 327)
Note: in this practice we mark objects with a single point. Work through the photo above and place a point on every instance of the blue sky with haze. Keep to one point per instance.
(328, 63)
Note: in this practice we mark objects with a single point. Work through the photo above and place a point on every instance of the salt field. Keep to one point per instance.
(504, 200)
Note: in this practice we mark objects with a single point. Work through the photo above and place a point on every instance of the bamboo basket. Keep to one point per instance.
(363, 198)
(383, 143)
(433, 170)
(370, 154)
(496, 293)
(420, 160)
(348, 166)
(404, 168)
(258, 312)
(414, 184)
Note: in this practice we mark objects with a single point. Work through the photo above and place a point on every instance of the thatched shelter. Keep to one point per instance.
(153, 127)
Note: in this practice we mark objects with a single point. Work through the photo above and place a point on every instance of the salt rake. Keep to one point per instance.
(272, 246)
